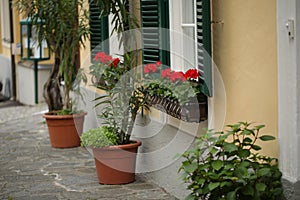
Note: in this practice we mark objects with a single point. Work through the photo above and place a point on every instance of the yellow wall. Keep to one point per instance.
(245, 52)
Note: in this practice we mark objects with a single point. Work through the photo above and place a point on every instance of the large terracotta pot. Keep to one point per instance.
(64, 130)
(116, 164)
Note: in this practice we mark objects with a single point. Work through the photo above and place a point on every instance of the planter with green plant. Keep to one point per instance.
(115, 164)
(64, 28)
(113, 149)
(121, 100)
(226, 165)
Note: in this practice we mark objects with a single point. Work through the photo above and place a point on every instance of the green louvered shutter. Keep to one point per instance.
(204, 41)
(156, 43)
(99, 31)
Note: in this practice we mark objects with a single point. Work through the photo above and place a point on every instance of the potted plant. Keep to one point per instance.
(64, 28)
(226, 165)
(115, 162)
(123, 98)
(113, 149)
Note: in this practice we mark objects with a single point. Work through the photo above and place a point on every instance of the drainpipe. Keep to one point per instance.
(13, 63)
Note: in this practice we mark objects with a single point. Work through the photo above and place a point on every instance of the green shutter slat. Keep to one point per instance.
(204, 41)
(154, 15)
(98, 29)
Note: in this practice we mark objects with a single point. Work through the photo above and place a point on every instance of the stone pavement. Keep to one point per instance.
(31, 169)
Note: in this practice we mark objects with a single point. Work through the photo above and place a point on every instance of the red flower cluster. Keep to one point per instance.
(114, 62)
(106, 59)
(151, 67)
(174, 76)
(191, 73)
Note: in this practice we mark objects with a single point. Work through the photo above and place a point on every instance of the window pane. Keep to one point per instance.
(187, 11)
(189, 50)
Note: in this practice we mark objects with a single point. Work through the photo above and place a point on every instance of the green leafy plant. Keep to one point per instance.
(226, 165)
(99, 137)
(123, 97)
(64, 28)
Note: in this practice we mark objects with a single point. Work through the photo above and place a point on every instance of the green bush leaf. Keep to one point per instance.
(259, 127)
(229, 147)
(241, 172)
(263, 171)
(213, 186)
(217, 164)
(189, 168)
(267, 137)
(231, 195)
(248, 190)
(247, 140)
(243, 153)
(261, 187)
(256, 147)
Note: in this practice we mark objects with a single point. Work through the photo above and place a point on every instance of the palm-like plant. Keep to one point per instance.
(125, 98)
(64, 27)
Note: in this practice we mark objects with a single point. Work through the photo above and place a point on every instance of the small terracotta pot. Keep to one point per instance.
(64, 130)
(116, 164)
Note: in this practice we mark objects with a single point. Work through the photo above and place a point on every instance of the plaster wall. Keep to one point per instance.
(289, 94)
(244, 51)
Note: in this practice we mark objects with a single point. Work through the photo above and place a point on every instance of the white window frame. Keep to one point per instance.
(5, 24)
(177, 34)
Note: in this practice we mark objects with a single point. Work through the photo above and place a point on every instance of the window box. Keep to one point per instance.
(192, 111)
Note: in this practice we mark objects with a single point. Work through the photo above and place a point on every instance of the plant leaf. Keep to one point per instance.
(244, 153)
(267, 137)
(217, 164)
(213, 186)
(189, 168)
(231, 195)
(256, 147)
(261, 187)
(263, 171)
(229, 147)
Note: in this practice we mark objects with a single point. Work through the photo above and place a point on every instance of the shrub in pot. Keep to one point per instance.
(226, 165)
(64, 28)
(115, 164)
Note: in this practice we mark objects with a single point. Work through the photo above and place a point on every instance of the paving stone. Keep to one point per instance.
(31, 169)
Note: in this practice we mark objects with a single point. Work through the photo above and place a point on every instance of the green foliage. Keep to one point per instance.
(99, 137)
(226, 165)
(123, 96)
(65, 29)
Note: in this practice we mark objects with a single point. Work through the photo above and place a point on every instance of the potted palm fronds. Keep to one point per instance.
(113, 149)
(64, 28)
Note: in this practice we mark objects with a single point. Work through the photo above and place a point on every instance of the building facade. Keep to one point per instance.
(253, 74)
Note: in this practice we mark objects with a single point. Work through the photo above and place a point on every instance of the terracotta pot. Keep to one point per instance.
(116, 164)
(64, 130)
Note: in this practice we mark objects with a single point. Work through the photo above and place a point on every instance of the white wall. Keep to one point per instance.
(5, 75)
(289, 91)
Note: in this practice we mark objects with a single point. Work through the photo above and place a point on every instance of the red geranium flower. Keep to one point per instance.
(150, 68)
(115, 62)
(166, 73)
(158, 63)
(191, 73)
(103, 58)
(177, 76)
